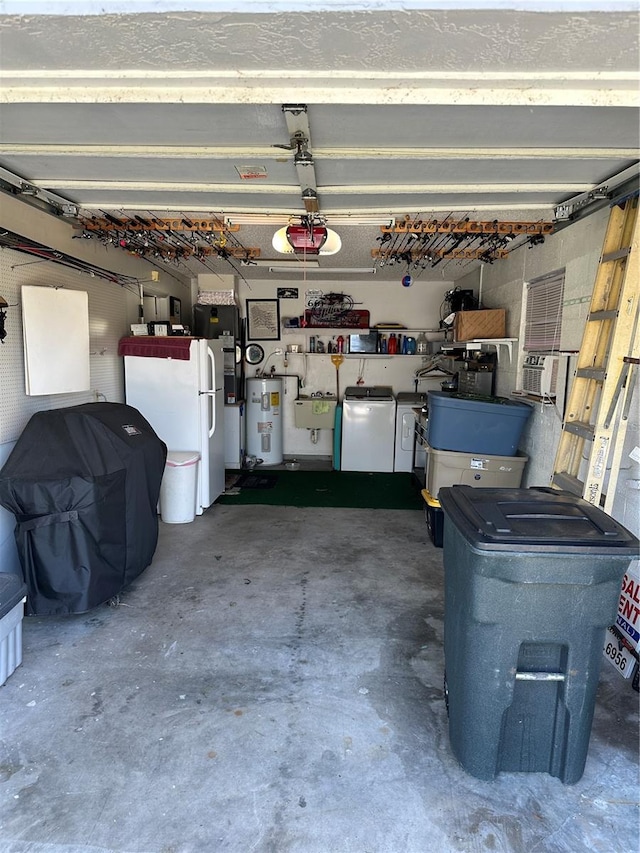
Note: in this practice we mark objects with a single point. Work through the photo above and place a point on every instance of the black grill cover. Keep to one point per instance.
(83, 484)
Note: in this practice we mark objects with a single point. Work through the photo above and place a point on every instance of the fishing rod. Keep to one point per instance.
(196, 251)
(472, 237)
(438, 240)
(412, 242)
(182, 246)
(457, 237)
(403, 245)
(10, 240)
(431, 242)
(390, 250)
(482, 236)
(123, 237)
(219, 246)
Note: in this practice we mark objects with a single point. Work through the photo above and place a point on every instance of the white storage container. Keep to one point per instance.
(12, 598)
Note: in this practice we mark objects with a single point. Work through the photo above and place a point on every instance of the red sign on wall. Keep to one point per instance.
(332, 317)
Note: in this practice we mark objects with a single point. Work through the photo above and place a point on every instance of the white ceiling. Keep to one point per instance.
(426, 113)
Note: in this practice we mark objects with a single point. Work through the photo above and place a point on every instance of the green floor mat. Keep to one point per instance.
(335, 489)
(260, 480)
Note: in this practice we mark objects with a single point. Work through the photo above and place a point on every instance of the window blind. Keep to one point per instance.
(543, 317)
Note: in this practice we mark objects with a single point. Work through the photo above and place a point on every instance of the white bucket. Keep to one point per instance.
(179, 486)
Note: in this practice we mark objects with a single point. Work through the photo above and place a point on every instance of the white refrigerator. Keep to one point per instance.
(183, 400)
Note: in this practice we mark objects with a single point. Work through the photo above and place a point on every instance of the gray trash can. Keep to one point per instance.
(532, 580)
(178, 490)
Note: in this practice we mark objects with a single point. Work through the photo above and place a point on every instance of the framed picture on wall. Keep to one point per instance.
(263, 320)
(287, 293)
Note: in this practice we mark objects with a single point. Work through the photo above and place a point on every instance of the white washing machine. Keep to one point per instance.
(407, 454)
(368, 428)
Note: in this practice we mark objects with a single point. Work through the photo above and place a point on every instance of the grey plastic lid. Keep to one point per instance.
(536, 519)
(12, 590)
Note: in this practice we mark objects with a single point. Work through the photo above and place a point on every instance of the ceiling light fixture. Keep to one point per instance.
(285, 265)
(285, 268)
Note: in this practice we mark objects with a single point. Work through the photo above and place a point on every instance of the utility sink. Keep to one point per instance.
(314, 412)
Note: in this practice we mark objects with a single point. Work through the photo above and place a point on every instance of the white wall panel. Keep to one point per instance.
(55, 334)
(107, 323)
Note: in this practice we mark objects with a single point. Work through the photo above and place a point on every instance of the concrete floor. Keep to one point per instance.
(273, 683)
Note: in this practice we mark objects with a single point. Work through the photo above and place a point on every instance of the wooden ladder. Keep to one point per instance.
(596, 415)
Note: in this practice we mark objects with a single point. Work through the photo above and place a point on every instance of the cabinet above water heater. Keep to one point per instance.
(213, 321)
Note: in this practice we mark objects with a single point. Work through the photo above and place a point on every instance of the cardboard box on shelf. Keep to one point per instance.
(470, 325)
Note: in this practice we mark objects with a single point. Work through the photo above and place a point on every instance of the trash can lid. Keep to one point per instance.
(12, 590)
(538, 519)
(179, 458)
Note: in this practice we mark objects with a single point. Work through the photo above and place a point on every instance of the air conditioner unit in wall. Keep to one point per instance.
(540, 375)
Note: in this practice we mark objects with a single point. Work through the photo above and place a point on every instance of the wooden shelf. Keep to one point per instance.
(478, 343)
(547, 400)
(350, 330)
(367, 354)
(388, 331)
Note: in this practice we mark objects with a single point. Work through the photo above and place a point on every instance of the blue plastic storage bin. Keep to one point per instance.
(470, 423)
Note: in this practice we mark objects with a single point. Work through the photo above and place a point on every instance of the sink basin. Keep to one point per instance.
(314, 412)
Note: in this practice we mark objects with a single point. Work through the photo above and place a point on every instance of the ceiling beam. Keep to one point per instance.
(281, 189)
(274, 86)
(352, 214)
(264, 152)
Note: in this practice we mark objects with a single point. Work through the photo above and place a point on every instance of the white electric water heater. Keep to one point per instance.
(264, 420)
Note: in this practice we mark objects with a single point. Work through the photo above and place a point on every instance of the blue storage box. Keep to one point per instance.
(471, 423)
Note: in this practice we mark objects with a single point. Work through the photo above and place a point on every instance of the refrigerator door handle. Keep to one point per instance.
(212, 392)
(212, 409)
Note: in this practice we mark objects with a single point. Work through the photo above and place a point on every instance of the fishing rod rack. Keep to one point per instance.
(423, 243)
(205, 225)
(168, 239)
